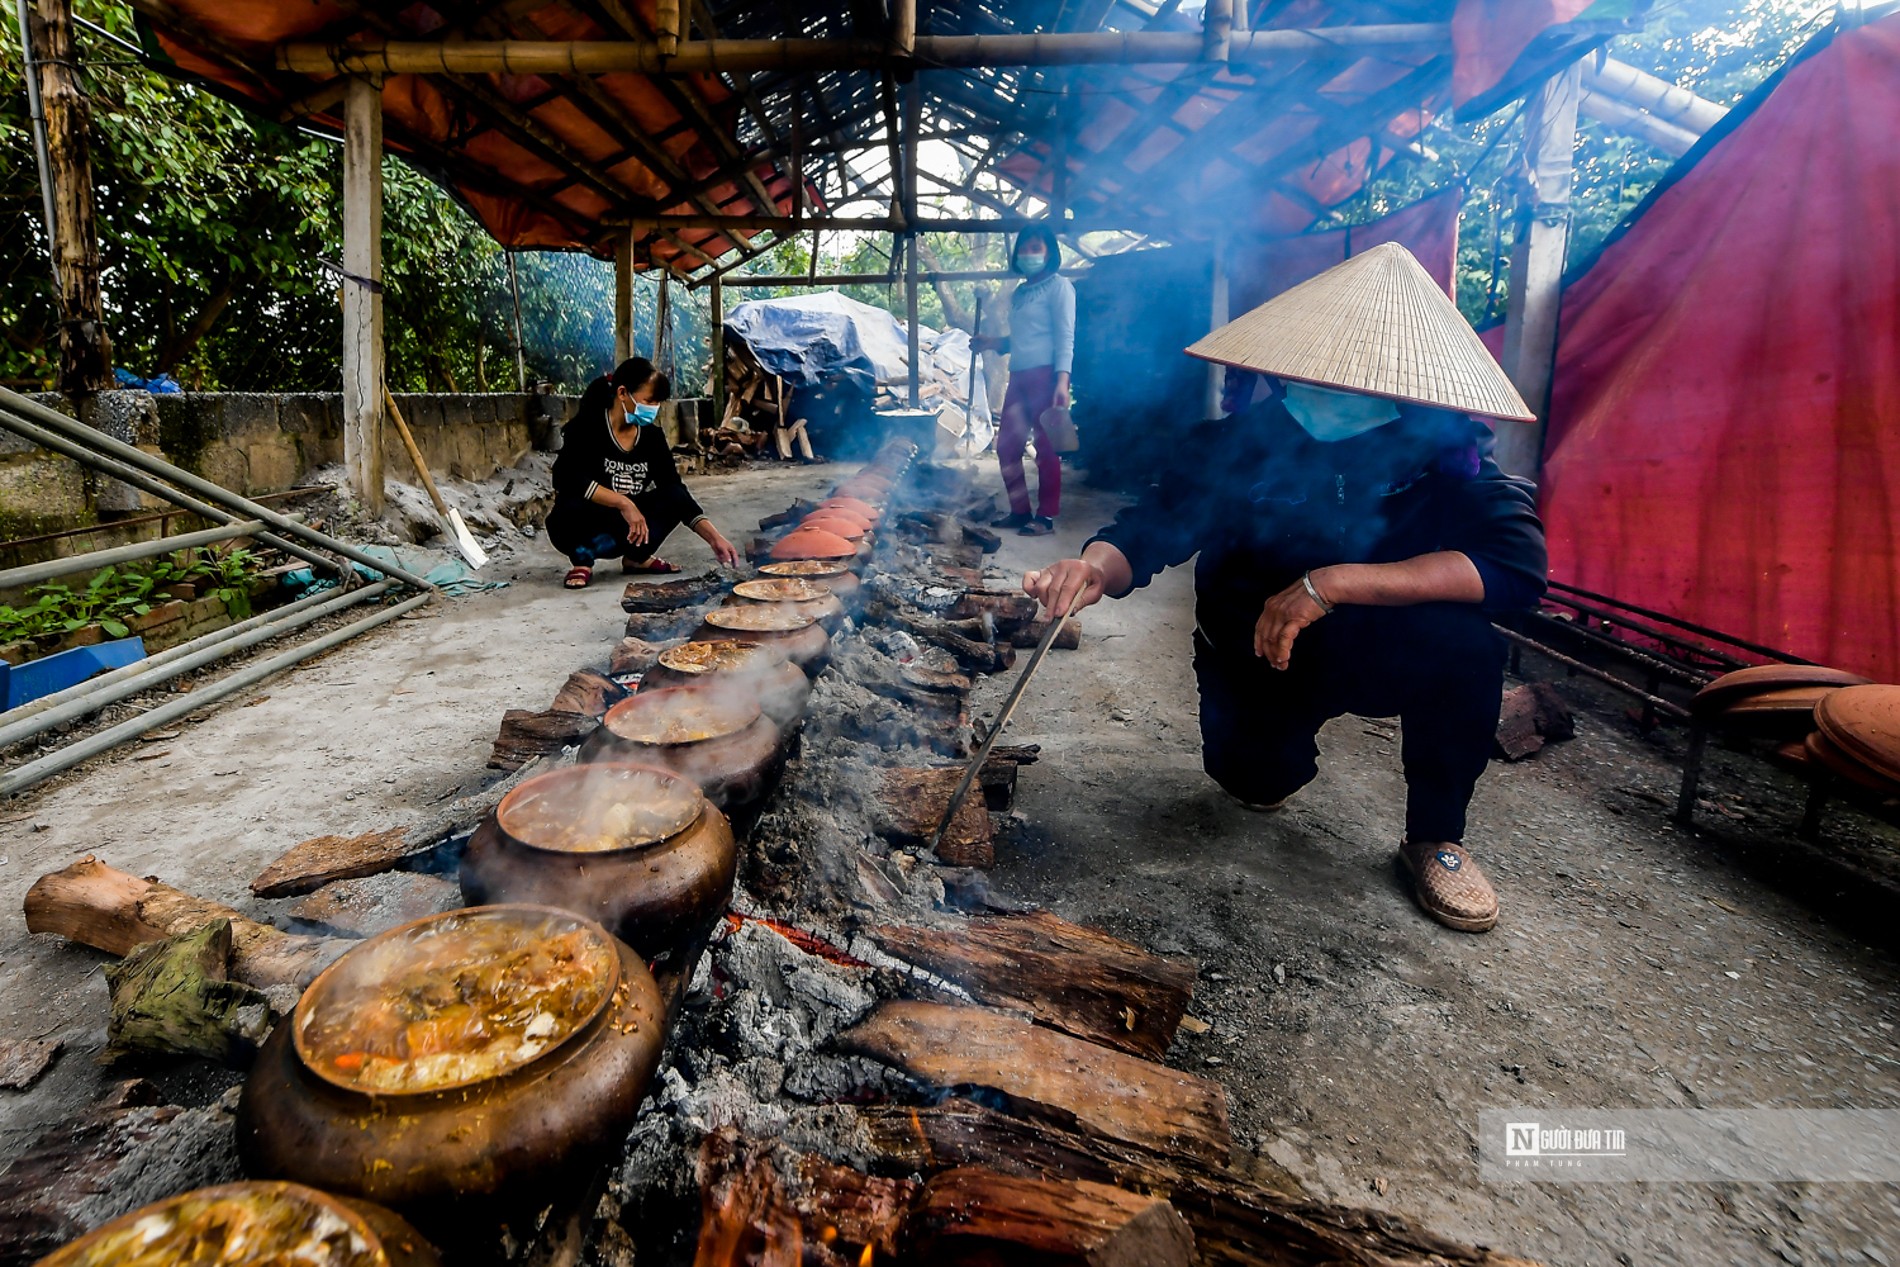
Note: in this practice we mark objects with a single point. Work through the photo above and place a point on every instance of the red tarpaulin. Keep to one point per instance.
(1725, 424)
(1261, 268)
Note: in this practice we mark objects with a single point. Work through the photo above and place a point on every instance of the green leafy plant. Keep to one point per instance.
(114, 596)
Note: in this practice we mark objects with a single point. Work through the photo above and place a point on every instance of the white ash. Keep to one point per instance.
(195, 1148)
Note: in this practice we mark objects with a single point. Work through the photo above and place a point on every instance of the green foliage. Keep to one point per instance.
(1720, 48)
(117, 594)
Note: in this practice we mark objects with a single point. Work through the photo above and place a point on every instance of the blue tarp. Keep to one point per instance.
(807, 339)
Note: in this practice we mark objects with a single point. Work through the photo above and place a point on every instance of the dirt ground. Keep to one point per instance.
(1636, 965)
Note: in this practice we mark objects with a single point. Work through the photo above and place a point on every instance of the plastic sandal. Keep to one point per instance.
(1037, 527)
(577, 578)
(655, 566)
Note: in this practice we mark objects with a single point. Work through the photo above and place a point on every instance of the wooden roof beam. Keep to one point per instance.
(606, 57)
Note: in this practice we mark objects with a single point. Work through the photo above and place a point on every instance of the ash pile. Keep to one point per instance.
(788, 1030)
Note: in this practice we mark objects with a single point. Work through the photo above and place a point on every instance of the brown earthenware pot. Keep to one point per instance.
(639, 850)
(813, 598)
(796, 635)
(834, 574)
(344, 1095)
(192, 1226)
(721, 740)
(780, 686)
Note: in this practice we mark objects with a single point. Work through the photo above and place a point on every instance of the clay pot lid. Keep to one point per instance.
(1864, 723)
(489, 990)
(783, 590)
(719, 655)
(599, 808)
(676, 715)
(1790, 700)
(856, 505)
(1740, 684)
(230, 1225)
(1826, 753)
(813, 543)
(803, 567)
(850, 527)
(758, 618)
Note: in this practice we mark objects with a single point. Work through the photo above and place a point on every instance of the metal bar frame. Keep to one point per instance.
(68, 565)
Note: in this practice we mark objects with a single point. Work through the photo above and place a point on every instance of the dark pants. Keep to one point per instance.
(585, 531)
(1438, 667)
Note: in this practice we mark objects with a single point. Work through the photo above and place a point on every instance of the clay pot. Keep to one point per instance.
(780, 686)
(350, 1233)
(639, 850)
(863, 509)
(833, 574)
(795, 594)
(795, 635)
(721, 741)
(1863, 722)
(813, 543)
(338, 1099)
(1824, 752)
(850, 527)
(1742, 684)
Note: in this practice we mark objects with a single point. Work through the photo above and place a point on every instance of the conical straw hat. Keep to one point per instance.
(1377, 324)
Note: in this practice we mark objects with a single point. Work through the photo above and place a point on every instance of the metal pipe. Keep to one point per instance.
(1623, 620)
(34, 573)
(1654, 701)
(737, 56)
(29, 71)
(1616, 646)
(65, 758)
(1680, 623)
(144, 461)
(92, 695)
(138, 479)
(882, 279)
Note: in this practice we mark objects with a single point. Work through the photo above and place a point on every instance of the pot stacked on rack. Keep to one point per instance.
(1828, 719)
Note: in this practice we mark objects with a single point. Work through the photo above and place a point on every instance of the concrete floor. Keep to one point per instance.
(1357, 1041)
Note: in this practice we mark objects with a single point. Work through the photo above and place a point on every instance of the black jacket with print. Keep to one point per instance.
(591, 458)
(1261, 502)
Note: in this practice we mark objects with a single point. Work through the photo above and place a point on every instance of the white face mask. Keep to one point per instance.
(1328, 415)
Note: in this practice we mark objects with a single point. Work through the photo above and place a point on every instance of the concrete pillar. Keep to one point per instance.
(362, 290)
(623, 296)
(1537, 264)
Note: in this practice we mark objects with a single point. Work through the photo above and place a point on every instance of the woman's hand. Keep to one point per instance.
(636, 524)
(1067, 587)
(722, 549)
(1062, 396)
(1281, 620)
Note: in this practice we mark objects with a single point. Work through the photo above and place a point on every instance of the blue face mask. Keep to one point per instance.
(644, 415)
(1329, 415)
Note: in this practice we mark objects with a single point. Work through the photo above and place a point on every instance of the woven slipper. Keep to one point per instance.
(577, 578)
(655, 566)
(1450, 886)
(1037, 527)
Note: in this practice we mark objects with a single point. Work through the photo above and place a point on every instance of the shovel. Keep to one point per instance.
(451, 520)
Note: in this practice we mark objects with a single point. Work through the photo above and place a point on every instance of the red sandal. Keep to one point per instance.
(577, 578)
(654, 566)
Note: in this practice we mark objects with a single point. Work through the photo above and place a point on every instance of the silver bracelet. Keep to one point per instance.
(1312, 592)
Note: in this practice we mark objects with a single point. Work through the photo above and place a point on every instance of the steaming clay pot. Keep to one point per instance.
(799, 594)
(463, 1067)
(795, 635)
(639, 850)
(834, 574)
(287, 1219)
(781, 686)
(720, 739)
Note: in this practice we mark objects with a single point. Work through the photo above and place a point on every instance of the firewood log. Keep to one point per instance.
(1069, 639)
(912, 800)
(102, 907)
(634, 655)
(985, 537)
(1010, 612)
(1237, 1221)
(525, 736)
(974, 1215)
(668, 596)
(1081, 981)
(1103, 1092)
(588, 692)
(963, 639)
(173, 998)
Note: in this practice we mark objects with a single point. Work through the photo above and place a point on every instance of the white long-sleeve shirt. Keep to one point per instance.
(1042, 325)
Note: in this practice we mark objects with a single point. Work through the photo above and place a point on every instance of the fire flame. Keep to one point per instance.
(864, 1259)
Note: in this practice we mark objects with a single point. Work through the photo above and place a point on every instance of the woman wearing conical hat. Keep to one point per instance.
(1354, 538)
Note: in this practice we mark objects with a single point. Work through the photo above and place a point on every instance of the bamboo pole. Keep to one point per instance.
(716, 309)
(1641, 90)
(623, 295)
(608, 57)
(913, 337)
